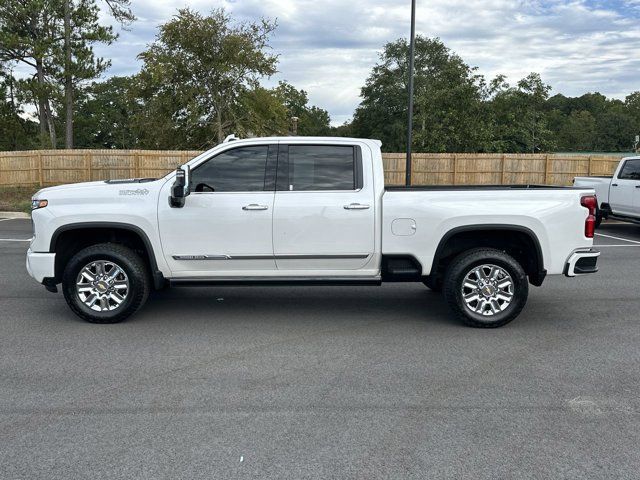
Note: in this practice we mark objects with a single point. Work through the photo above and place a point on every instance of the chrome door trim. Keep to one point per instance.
(268, 257)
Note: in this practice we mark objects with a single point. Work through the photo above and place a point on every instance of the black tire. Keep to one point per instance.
(462, 265)
(598, 217)
(125, 258)
(435, 286)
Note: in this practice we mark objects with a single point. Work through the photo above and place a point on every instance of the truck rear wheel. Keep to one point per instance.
(105, 283)
(486, 288)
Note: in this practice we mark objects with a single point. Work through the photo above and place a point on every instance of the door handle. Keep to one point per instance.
(356, 206)
(637, 186)
(614, 184)
(255, 206)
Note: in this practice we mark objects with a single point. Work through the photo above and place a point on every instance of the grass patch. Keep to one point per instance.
(16, 199)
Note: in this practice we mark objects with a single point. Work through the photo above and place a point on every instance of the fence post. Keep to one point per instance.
(590, 170)
(547, 172)
(136, 165)
(455, 169)
(88, 161)
(40, 181)
(504, 160)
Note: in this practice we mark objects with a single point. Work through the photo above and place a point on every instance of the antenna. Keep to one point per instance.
(230, 138)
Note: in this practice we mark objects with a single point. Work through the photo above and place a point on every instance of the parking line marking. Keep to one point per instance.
(5, 219)
(618, 238)
(20, 240)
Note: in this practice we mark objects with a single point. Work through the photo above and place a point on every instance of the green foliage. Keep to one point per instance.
(55, 38)
(447, 100)
(30, 31)
(200, 81)
(517, 120)
(16, 131)
(105, 113)
(312, 120)
(577, 131)
(199, 67)
(456, 110)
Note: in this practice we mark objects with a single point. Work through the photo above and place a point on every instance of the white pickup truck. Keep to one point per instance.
(301, 211)
(619, 195)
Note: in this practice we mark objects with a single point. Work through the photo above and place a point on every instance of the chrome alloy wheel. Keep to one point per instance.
(102, 285)
(487, 290)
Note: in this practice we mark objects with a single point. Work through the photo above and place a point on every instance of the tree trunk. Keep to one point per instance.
(51, 125)
(14, 113)
(42, 122)
(68, 78)
(44, 110)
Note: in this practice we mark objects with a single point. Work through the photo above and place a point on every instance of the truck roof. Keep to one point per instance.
(291, 138)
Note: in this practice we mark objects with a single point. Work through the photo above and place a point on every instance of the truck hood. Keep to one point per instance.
(116, 197)
(102, 185)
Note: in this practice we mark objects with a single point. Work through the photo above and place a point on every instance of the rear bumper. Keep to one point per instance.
(41, 265)
(582, 262)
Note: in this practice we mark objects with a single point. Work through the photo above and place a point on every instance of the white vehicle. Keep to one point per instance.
(301, 211)
(618, 196)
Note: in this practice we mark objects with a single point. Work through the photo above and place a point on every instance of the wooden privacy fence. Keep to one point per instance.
(495, 168)
(54, 167)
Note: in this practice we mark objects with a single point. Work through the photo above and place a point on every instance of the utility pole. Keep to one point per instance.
(410, 112)
(68, 79)
(294, 126)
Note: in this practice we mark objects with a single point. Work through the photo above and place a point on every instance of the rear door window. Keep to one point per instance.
(322, 167)
(630, 170)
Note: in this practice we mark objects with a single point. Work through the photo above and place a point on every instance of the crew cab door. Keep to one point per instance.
(324, 211)
(624, 193)
(225, 226)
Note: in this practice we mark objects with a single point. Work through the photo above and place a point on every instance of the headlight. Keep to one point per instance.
(35, 204)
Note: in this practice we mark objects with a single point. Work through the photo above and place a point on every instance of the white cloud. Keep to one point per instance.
(328, 47)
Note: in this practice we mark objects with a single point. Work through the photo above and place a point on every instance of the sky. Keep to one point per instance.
(328, 47)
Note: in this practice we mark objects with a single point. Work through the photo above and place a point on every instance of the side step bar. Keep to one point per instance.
(273, 281)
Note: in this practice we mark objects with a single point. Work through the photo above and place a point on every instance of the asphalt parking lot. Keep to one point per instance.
(323, 382)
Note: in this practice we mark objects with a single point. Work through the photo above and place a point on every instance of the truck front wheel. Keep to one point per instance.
(486, 288)
(105, 283)
(433, 285)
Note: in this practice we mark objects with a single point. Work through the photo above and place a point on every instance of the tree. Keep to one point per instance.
(106, 114)
(82, 30)
(16, 131)
(199, 66)
(518, 116)
(448, 100)
(312, 120)
(615, 128)
(260, 113)
(632, 102)
(30, 31)
(578, 132)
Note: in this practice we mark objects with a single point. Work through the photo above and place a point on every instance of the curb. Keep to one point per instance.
(14, 215)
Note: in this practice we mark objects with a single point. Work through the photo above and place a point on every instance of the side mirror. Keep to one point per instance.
(181, 187)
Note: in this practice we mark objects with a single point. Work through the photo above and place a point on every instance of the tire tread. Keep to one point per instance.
(460, 266)
(139, 273)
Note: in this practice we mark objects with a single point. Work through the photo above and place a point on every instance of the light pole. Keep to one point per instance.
(412, 42)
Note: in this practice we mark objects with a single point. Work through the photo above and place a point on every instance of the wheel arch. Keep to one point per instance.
(66, 240)
(514, 239)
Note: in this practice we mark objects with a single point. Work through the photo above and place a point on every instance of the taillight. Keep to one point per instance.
(591, 203)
